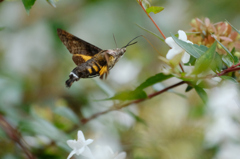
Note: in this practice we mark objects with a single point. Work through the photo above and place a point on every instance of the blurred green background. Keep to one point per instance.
(35, 64)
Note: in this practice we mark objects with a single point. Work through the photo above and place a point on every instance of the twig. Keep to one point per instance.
(85, 120)
(15, 136)
(140, 2)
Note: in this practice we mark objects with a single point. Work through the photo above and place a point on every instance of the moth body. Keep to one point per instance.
(91, 61)
(96, 66)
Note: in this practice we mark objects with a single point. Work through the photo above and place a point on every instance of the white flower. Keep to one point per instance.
(106, 152)
(80, 146)
(175, 49)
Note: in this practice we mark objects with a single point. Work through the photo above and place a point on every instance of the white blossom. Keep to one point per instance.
(80, 146)
(175, 49)
(105, 152)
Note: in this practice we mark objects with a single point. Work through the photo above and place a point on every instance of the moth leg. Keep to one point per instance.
(103, 71)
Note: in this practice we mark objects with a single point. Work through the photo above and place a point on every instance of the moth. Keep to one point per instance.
(91, 61)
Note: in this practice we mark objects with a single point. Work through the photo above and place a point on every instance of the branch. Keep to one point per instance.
(140, 2)
(85, 120)
(230, 69)
(15, 136)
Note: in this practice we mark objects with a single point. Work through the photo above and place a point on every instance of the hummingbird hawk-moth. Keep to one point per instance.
(91, 61)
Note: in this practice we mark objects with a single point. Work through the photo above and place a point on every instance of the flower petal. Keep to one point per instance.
(80, 151)
(72, 143)
(171, 53)
(88, 153)
(71, 154)
(121, 155)
(170, 42)
(185, 57)
(182, 35)
(89, 141)
(81, 136)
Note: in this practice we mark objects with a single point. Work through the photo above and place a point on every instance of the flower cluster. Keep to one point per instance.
(203, 31)
(80, 147)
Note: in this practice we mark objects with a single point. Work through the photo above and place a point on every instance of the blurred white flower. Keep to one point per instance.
(175, 49)
(80, 146)
(106, 152)
(224, 130)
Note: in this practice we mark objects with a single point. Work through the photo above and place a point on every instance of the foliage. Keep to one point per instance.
(39, 115)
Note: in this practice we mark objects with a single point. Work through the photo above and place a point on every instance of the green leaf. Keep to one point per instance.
(153, 80)
(235, 58)
(217, 63)
(228, 60)
(229, 78)
(188, 88)
(193, 49)
(137, 118)
(201, 93)
(129, 95)
(223, 47)
(154, 9)
(210, 59)
(233, 27)
(52, 3)
(28, 5)
(191, 61)
(150, 32)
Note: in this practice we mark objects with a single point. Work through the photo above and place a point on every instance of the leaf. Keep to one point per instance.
(193, 49)
(235, 58)
(229, 78)
(228, 60)
(52, 3)
(233, 27)
(223, 47)
(191, 61)
(217, 63)
(150, 32)
(153, 80)
(137, 118)
(210, 59)
(154, 9)
(28, 5)
(129, 95)
(188, 88)
(201, 93)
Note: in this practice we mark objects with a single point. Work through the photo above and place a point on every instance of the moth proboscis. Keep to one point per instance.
(91, 61)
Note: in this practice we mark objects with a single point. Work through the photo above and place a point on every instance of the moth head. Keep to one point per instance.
(116, 52)
(121, 51)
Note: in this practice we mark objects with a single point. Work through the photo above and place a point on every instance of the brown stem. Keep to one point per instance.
(85, 120)
(140, 2)
(230, 69)
(15, 136)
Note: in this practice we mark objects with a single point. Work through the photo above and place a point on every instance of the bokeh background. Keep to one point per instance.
(34, 65)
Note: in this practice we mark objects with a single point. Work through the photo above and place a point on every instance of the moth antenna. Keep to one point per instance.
(129, 43)
(115, 40)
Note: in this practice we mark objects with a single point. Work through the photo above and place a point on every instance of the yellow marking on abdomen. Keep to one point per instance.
(89, 70)
(95, 68)
(98, 65)
(85, 57)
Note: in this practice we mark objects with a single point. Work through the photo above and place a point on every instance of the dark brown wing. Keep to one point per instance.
(82, 51)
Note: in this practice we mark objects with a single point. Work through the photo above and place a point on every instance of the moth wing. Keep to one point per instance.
(82, 51)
